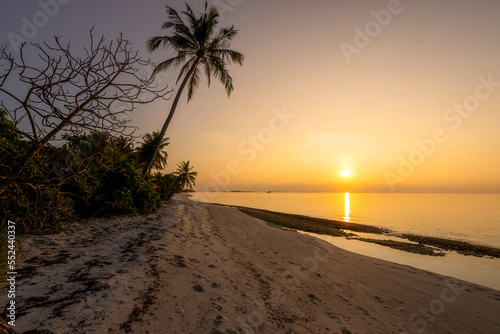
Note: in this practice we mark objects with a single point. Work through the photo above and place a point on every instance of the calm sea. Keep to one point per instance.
(468, 217)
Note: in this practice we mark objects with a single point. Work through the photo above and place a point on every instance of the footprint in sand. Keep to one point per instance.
(230, 331)
(331, 314)
(217, 307)
(179, 261)
(219, 320)
(241, 309)
(314, 299)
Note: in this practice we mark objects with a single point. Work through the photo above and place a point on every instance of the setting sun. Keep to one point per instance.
(346, 173)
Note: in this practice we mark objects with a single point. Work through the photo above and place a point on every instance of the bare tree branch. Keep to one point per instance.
(51, 89)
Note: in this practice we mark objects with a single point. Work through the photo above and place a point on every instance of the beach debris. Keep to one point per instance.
(198, 288)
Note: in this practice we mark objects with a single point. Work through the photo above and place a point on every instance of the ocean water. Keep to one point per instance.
(467, 217)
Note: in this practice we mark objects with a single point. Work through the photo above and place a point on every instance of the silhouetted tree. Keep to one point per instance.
(147, 147)
(185, 177)
(199, 47)
(49, 90)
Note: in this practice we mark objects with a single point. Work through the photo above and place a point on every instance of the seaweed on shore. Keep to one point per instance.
(426, 245)
(404, 246)
(461, 247)
(310, 224)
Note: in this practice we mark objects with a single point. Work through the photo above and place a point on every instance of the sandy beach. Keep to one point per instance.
(201, 268)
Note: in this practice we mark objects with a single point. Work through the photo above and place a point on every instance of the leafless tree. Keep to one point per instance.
(51, 89)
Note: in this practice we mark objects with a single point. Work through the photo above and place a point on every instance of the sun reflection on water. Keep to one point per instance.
(347, 208)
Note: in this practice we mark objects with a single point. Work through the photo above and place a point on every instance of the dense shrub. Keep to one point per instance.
(112, 182)
(166, 185)
(34, 202)
(124, 190)
(91, 174)
(36, 209)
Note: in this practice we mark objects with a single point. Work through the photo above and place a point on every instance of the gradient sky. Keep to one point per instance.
(402, 84)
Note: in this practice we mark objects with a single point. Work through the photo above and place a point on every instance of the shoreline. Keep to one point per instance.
(465, 264)
(201, 268)
(424, 245)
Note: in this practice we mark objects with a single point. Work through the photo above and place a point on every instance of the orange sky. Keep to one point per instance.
(365, 112)
(364, 116)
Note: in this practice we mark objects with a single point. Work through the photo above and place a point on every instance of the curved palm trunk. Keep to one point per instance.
(149, 162)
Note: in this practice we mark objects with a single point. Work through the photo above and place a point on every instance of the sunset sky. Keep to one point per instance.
(404, 95)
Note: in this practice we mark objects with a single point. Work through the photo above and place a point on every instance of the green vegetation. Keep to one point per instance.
(183, 179)
(185, 176)
(66, 147)
(148, 146)
(90, 174)
(166, 185)
(199, 46)
(112, 182)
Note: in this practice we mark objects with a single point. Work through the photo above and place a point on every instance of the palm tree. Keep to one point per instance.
(199, 47)
(148, 146)
(185, 176)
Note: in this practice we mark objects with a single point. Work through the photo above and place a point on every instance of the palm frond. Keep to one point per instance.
(223, 38)
(230, 55)
(178, 42)
(194, 82)
(154, 42)
(193, 21)
(185, 176)
(212, 18)
(147, 146)
(185, 68)
(172, 62)
(208, 70)
(178, 25)
(221, 73)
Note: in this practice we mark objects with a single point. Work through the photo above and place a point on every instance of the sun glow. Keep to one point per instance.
(346, 173)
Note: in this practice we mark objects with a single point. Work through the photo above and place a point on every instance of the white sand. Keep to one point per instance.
(200, 268)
